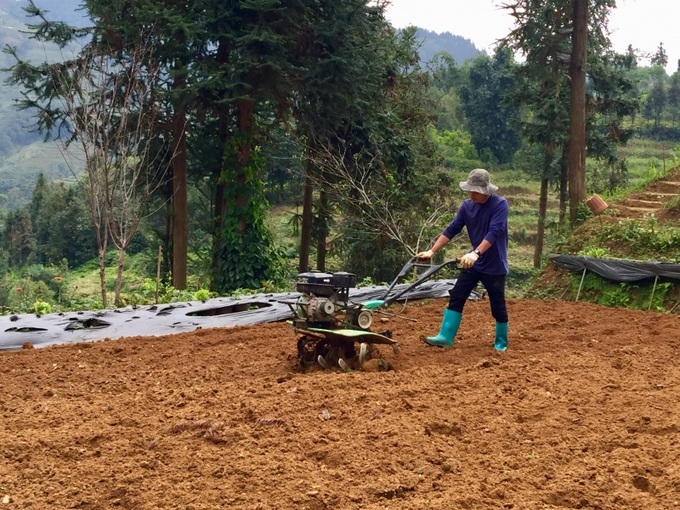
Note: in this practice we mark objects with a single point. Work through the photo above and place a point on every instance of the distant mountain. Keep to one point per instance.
(23, 154)
(458, 47)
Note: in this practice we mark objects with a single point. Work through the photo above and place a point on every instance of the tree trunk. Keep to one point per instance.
(245, 126)
(102, 275)
(577, 110)
(180, 216)
(218, 220)
(323, 231)
(158, 273)
(540, 231)
(119, 276)
(101, 233)
(219, 198)
(306, 227)
(564, 185)
(167, 241)
(179, 202)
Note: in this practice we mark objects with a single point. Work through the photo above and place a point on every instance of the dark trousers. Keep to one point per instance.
(494, 285)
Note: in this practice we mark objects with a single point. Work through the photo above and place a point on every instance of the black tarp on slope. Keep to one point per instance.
(628, 271)
(157, 320)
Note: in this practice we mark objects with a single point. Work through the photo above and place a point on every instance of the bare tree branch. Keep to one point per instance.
(112, 115)
(362, 183)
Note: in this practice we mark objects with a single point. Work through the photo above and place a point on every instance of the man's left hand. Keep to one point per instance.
(468, 260)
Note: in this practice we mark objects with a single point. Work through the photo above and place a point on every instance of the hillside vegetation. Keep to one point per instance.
(342, 156)
(621, 232)
(641, 225)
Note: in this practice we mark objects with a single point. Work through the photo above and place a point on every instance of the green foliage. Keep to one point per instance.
(370, 258)
(644, 239)
(375, 167)
(246, 253)
(203, 295)
(18, 239)
(143, 292)
(613, 96)
(61, 224)
(353, 80)
(18, 293)
(519, 280)
(493, 118)
(366, 281)
(284, 175)
(53, 227)
(456, 46)
(649, 239)
(456, 149)
(595, 289)
(583, 212)
(42, 308)
(673, 204)
(606, 178)
(166, 293)
(660, 57)
(598, 253)
(656, 102)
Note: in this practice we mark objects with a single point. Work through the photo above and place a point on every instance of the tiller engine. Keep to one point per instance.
(330, 324)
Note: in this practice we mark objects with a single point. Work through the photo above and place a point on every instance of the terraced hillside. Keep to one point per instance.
(651, 200)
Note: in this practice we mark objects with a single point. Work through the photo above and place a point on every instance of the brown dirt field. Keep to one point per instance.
(582, 411)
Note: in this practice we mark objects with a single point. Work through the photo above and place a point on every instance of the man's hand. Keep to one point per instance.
(425, 255)
(468, 260)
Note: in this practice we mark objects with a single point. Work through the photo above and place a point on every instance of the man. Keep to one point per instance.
(485, 217)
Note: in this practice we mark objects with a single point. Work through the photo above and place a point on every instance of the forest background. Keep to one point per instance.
(172, 152)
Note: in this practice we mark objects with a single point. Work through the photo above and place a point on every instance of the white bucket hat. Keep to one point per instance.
(478, 181)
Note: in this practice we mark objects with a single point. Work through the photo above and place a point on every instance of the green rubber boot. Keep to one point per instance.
(448, 331)
(501, 343)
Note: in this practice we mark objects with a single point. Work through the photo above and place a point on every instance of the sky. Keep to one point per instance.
(641, 23)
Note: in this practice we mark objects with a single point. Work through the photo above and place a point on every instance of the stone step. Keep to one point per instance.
(639, 211)
(652, 195)
(664, 187)
(651, 202)
(637, 202)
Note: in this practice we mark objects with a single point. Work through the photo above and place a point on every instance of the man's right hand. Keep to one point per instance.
(425, 255)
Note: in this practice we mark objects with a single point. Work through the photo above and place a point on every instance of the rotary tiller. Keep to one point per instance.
(335, 331)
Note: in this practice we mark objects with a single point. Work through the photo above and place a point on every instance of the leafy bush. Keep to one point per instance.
(595, 289)
(457, 149)
(598, 253)
(41, 308)
(202, 295)
(638, 239)
(673, 204)
(18, 295)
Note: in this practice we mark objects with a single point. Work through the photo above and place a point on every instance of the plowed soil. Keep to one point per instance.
(582, 411)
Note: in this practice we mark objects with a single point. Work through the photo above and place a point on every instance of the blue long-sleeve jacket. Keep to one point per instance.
(485, 221)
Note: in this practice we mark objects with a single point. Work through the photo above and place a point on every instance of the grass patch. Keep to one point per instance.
(635, 296)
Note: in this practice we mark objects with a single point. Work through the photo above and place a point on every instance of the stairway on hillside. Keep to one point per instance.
(651, 200)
